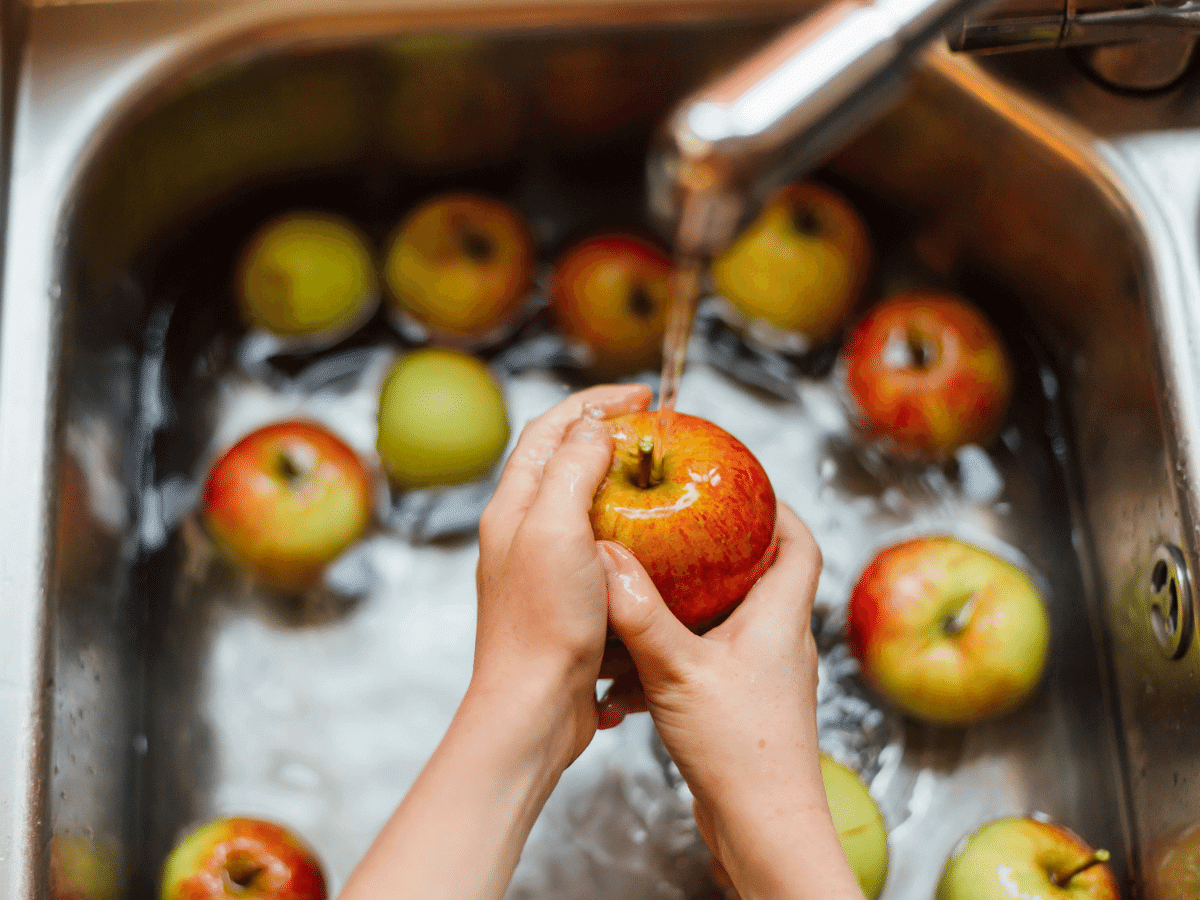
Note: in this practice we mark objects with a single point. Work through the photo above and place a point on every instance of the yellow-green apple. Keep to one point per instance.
(610, 293)
(306, 274)
(84, 868)
(695, 507)
(859, 823)
(1174, 869)
(801, 265)
(461, 265)
(242, 858)
(442, 419)
(860, 827)
(286, 500)
(947, 631)
(1021, 857)
(928, 373)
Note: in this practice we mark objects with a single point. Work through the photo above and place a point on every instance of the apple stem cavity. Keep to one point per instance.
(645, 462)
(641, 302)
(288, 469)
(806, 221)
(1062, 879)
(240, 873)
(957, 621)
(477, 246)
(921, 351)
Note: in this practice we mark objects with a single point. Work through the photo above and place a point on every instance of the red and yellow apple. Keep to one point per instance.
(84, 868)
(928, 373)
(1174, 869)
(947, 631)
(610, 293)
(695, 507)
(306, 274)
(802, 264)
(286, 500)
(442, 419)
(860, 827)
(1021, 857)
(242, 858)
(461, 265)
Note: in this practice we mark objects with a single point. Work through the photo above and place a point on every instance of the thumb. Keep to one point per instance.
(658, 642)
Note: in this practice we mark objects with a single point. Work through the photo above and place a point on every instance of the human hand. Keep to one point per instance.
(736, 709)
(543, 603)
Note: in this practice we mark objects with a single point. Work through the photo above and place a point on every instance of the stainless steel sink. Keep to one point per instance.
(147, 136)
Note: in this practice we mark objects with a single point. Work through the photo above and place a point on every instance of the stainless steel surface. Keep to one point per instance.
(129, 661)
(1170, 603)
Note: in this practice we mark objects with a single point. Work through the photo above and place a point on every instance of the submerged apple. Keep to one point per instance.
(286, 500)
(306, 274)
(695, 507)
(1022, 857)
(859, 823)
(1174, 871)
(947, 631)
(242, 858)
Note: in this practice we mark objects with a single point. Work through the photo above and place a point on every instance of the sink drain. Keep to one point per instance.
(1170, 601)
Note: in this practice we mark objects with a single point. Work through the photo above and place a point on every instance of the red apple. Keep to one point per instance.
(286, 500)
(1022, 857)
(610, 293)
(242, 858)
(693, 505)
(802, 265)
(929, 373)
(460, 265)
(947, 631)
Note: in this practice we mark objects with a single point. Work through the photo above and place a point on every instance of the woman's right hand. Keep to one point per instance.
(736, 709)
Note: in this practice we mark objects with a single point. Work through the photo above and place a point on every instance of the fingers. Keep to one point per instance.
(540, 438)
(572, 475)
(661, 646)
(781, 601)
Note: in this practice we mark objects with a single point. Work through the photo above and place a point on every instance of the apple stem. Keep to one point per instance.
(955, 623)
(288, 467)
(1062, 879)
(645, 462)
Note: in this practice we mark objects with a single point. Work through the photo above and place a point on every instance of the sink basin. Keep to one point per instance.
(144, 686)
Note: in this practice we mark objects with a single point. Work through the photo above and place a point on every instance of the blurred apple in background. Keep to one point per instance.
(1020, 857)
(306, 274)
(461, 265)
(286, 500)
(84, 868)
(442, 419)
(610, 293)
(802, 264)
(928, 373)
(693, 505)
(860, 827)
(242, 858)
(1174, 869)
(947, 631)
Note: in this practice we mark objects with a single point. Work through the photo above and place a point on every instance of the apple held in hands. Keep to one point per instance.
(242, 858)
(306, 275)
(1021, 857)
(460, 265)
(693, 505)
(928, 373)
(947, 631)
(610, 293)
(442, 419)
(287, 500)
(802, 264)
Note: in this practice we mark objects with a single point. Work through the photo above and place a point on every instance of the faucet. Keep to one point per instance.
(791, 105)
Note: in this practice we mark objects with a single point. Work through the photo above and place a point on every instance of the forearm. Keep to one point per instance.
(781, 844)
(460, 830)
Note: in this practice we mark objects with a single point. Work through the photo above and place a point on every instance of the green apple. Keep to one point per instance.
(802, 265)
(859, 823)
(442, 419)
(306, 274)
(84, 868)
(1026, 858)
(286, 500)
(947, 631)
(242, 859)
